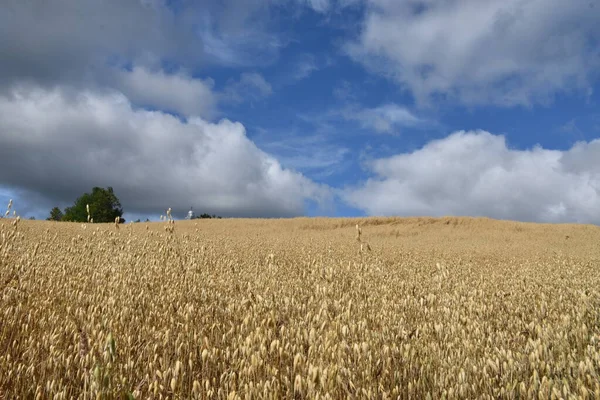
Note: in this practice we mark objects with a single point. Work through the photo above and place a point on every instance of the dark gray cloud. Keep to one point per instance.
(51, 42)
(59, 145)
(76, 76)
(80, 41)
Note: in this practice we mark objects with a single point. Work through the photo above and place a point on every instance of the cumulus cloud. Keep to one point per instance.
(56, 145)
(178, 92)
(475, 173)
(504, 52)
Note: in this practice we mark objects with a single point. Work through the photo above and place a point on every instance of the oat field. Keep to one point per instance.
(416, 308)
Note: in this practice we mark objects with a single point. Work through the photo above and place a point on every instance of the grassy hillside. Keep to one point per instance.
(439, 308)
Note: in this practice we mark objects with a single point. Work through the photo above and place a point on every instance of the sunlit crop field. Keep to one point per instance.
(302, 308)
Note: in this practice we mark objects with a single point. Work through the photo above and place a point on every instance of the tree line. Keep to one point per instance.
(102, 205)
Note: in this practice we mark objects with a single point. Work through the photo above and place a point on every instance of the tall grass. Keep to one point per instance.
(236, 309)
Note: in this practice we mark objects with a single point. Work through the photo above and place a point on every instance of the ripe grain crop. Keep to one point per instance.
(417, 308)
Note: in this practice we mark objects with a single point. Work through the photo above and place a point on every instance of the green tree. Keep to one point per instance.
(104, 206)
(55, 215)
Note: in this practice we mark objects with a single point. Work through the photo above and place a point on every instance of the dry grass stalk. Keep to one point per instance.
(10, 203)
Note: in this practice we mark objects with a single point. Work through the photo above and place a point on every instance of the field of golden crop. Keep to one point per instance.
(227, 309)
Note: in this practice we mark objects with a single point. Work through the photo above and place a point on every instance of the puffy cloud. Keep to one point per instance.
(504, 52)
(56, 145)
(477, 174)
(178, 92)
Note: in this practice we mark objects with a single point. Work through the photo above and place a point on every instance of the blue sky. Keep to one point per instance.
(279, 108)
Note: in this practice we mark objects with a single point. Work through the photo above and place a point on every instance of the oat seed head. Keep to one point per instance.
(453, 308)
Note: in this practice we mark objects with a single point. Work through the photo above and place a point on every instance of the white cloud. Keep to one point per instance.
(248, 47)
(388, 118)
(251, 86)
(504, 52)
(319, 5)
(306, 65)
(325, 6)
(385, 119)
(345, 91)
(58, 145)
(313, 155)
(177, 92)
(476, 174)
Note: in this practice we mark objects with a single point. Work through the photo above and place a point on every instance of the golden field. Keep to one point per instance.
(234, 309)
